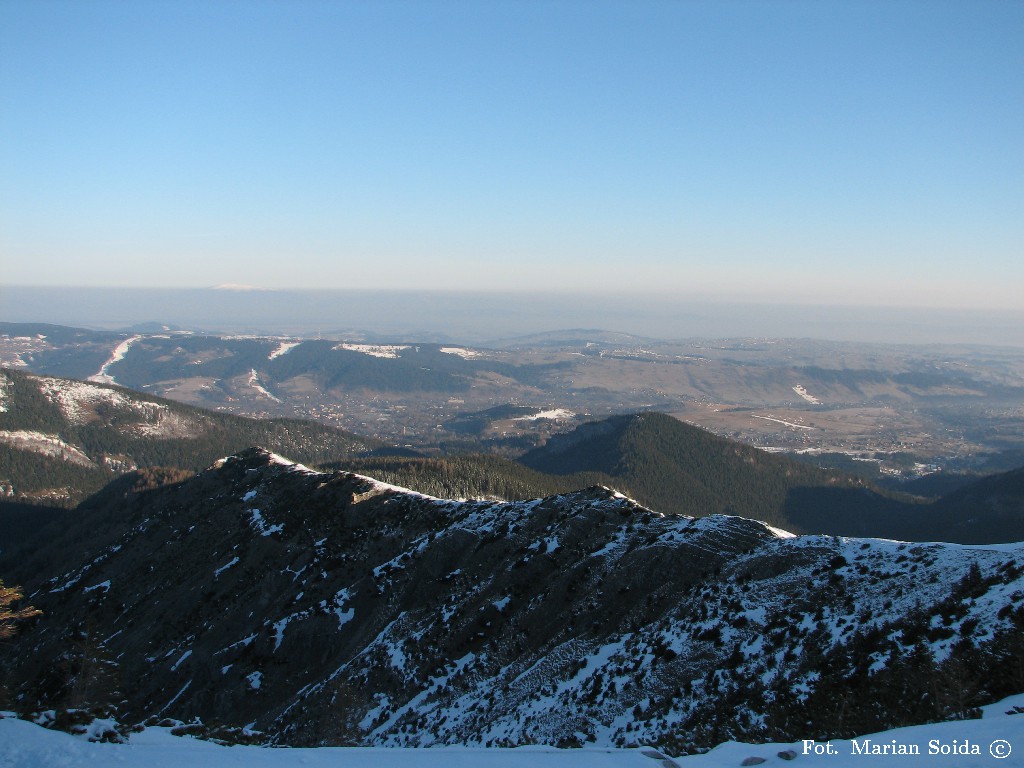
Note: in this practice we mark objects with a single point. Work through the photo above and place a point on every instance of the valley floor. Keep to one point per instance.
(995, 740)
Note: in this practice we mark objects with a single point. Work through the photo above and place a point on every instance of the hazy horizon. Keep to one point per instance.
(481, 317)
(782, 153)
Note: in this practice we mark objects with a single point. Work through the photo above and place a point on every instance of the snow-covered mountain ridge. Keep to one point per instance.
(325, 608)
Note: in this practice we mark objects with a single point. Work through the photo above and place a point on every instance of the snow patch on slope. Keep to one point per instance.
(799, 389)
(553, 414)
(465, 354)
(103, 376)
(389, 351)
(219, 571)
(161, 422)
(293, 466)
(258, 522)
(47, 445)
(378, 487)
(283, 349)
(254, 383)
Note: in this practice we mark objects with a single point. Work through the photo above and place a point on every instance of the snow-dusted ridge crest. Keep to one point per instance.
(330, 608)
(596, 494)
(610, 495)
(273, 459)
(141, 415)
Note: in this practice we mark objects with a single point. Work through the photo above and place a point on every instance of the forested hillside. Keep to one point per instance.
(676, 468)
(471, 477)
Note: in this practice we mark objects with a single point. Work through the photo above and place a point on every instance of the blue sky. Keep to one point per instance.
(854, 152)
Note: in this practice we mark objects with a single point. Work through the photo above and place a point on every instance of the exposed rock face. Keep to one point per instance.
(330, 608)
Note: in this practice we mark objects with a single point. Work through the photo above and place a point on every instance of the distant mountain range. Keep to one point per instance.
(907, 410)
(266, 600)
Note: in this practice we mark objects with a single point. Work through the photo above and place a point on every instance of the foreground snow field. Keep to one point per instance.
(995, 740)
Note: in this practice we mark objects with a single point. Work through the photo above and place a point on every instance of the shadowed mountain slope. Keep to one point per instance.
(997, 498)
(327, 608)
(985, 511)
(677, 468)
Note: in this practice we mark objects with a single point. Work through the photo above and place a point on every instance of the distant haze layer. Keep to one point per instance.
(486, 317)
